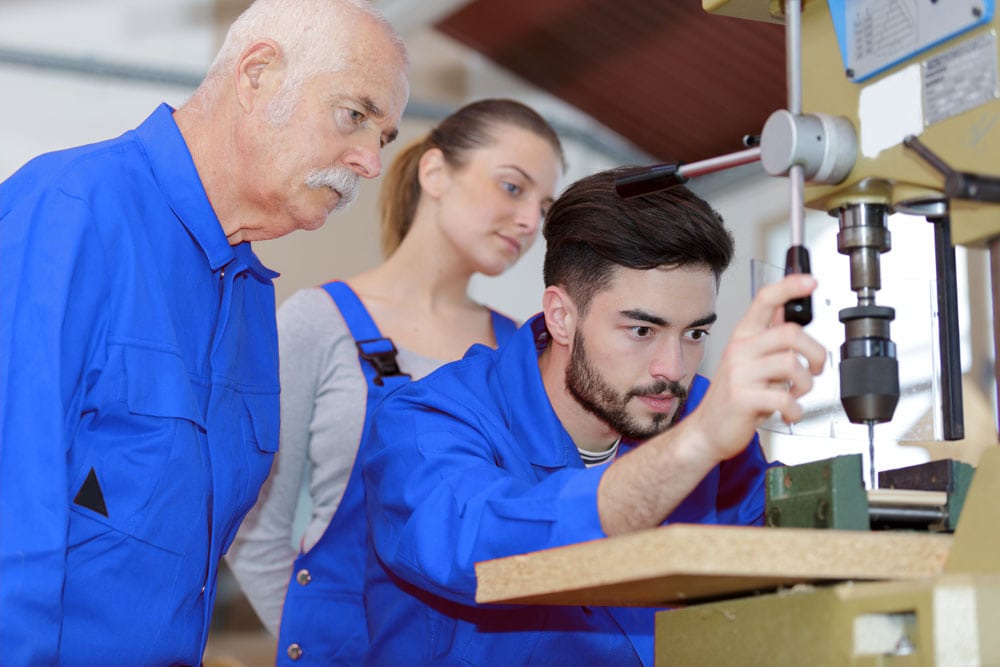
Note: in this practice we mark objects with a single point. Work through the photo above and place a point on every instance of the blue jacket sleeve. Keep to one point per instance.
(445, 490)
(741, 499)
(53, 282)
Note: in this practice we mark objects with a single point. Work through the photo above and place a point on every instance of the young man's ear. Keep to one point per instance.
(561, 316)
(259, 74)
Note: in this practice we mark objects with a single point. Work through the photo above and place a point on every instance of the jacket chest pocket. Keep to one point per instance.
(251, 452)
(144, 472)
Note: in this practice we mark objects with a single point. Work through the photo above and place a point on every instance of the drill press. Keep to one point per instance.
(938, 80)
(940, 60)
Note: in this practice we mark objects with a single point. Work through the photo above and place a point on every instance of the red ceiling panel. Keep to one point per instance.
(680, 83)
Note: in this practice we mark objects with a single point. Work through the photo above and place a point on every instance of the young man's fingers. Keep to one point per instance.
(773, 297)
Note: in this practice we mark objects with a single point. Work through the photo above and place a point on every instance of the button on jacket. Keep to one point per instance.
(138, 402)
(470, 464)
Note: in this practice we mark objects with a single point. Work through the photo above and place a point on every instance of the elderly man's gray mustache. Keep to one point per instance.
(341, 179)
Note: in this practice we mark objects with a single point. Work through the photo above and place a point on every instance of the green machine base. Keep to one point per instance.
(947, 620)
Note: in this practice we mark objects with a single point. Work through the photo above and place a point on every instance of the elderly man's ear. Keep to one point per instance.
(260, 73)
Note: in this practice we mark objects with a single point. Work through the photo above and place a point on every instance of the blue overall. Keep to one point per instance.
(329, 578)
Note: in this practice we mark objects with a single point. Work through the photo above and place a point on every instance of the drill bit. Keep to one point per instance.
(871, 453)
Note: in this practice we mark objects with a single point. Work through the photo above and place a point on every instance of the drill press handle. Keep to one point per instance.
(798, 310)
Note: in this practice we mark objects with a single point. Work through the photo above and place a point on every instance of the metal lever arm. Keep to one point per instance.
(797, 258)
(662, 176)
(957, 184)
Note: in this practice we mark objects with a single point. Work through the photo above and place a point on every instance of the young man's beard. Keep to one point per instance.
(599, 398)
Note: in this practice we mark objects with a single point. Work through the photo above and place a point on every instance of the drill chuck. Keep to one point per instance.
(869, 371)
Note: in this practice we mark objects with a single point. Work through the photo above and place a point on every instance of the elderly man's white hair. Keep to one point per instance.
(311, 33)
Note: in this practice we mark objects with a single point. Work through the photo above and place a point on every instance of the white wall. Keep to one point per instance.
(44, 109)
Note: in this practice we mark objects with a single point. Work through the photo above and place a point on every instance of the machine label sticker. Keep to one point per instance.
(876, 35)
(960, 79)
(890, 109)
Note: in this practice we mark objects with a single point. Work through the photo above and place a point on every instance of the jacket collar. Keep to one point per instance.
(174, 171)
(533, 423)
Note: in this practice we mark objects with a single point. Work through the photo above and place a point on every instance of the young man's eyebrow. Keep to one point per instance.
(643, 316)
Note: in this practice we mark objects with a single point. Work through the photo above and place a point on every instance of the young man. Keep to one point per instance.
(591, 422)
(138, 355)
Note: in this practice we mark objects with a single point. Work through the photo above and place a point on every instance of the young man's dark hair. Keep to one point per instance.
(590, 231)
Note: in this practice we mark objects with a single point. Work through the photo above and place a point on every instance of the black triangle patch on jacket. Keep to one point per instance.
(91, 496)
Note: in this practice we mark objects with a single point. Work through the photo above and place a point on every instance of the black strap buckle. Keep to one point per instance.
(384, 361)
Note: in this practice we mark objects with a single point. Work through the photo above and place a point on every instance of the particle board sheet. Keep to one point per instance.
(683, 563)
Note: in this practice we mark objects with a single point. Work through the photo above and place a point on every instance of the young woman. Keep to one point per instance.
(468, 198)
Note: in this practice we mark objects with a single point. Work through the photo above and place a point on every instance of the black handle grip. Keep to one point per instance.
(644, 180)
(798, 310)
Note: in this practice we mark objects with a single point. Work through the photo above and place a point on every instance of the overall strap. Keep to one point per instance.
(379, 352)
(503, 327)
(329, 577)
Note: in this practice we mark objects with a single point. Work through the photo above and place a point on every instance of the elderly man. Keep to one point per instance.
(590, 422)
(138, 356)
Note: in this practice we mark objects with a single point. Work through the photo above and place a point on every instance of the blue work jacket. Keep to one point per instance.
(138, 402)
(470, 464)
